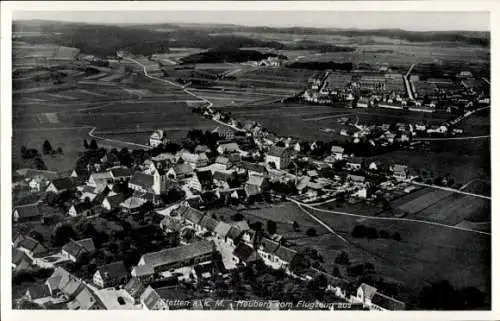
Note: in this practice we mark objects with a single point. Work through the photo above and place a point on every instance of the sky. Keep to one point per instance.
(415, 21)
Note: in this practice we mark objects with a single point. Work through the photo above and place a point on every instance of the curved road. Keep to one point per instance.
(299, 204)
(210, 104)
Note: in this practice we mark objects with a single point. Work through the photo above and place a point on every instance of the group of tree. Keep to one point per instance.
(361, 231)
(33, 155)
(93, 144)
(443, 296)
(48, 150)
(283, 188)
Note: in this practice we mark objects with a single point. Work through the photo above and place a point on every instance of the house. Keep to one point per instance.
(38, 293)
(186, 255)
(111, 274)
(20, 261)
(112, 202)
(132, 204)
(32, 247)
(221, 230)
(99, 180)
(86, 300)
(135, 288)
(208, 224)
(255, 185)
(206, 179)
(337, 152)
(195, 160)
(27, 213)
(143, 182)
(374, 300)
(60, 185)
(274, 254)
(439, 129)
(37, 183)
(279, 156)
(244, 254)
(222, 163)
(75, 250)
(252, 169)
(120, 173)
(151, 300)
(63, 283)
(157, 138)
(191, 216)
(180, 171)
(82, 209)
(356, 179)
(224, 132)
(79, 173)
(354, 164)
(222, 179)
(234, 235)
(228, 148)
(400, 172)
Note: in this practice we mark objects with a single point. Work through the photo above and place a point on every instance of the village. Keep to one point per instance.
(172, 187)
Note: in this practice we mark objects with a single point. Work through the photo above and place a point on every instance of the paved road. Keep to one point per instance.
(389, 218)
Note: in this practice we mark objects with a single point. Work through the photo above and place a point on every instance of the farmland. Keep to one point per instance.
(425, 254)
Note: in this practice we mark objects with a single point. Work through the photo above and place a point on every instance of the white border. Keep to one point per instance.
(6, 10)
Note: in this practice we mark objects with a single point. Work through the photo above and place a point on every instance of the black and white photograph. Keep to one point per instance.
(310, 160)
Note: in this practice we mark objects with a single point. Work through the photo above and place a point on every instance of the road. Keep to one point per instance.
(300, 204)
(406, 77)
(452, 190)
(115, 141)
(209, 103)
(322, 224)
(452, 138)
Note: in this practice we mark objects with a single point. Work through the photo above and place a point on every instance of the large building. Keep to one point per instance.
(279, 156)
(180, 256)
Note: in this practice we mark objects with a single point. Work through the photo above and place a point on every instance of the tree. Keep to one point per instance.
(295, 226)
(359, 231)
(280, 144)
(62, 234)
(85, 144)
(271, 227)
(47, 148)
(343, 258)
(384, 234)
(59, 150)
(238, 217)
(311, 232)
(336, 272)
(397, 236)
(272, 165)
(93, 145)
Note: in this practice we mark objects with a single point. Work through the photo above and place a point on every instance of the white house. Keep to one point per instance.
(158, 137)
(337, 152)
(374, 300)
(279, 156)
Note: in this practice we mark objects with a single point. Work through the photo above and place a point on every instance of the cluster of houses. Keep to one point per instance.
(148, 285)
(386, 89)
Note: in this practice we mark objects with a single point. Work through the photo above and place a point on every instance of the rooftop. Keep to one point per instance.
(176, 254)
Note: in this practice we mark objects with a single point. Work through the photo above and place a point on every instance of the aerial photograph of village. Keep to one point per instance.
(180, 163)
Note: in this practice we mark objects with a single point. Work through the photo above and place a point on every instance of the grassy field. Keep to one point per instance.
(70, 140)
(425, 254)
(455, 208)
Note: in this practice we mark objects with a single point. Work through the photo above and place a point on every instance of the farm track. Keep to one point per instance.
(388, 218)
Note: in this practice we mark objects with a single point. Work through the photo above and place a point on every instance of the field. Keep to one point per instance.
(425, 254)
(307, 121)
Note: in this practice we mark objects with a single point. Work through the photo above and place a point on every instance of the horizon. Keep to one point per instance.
(340, 20)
